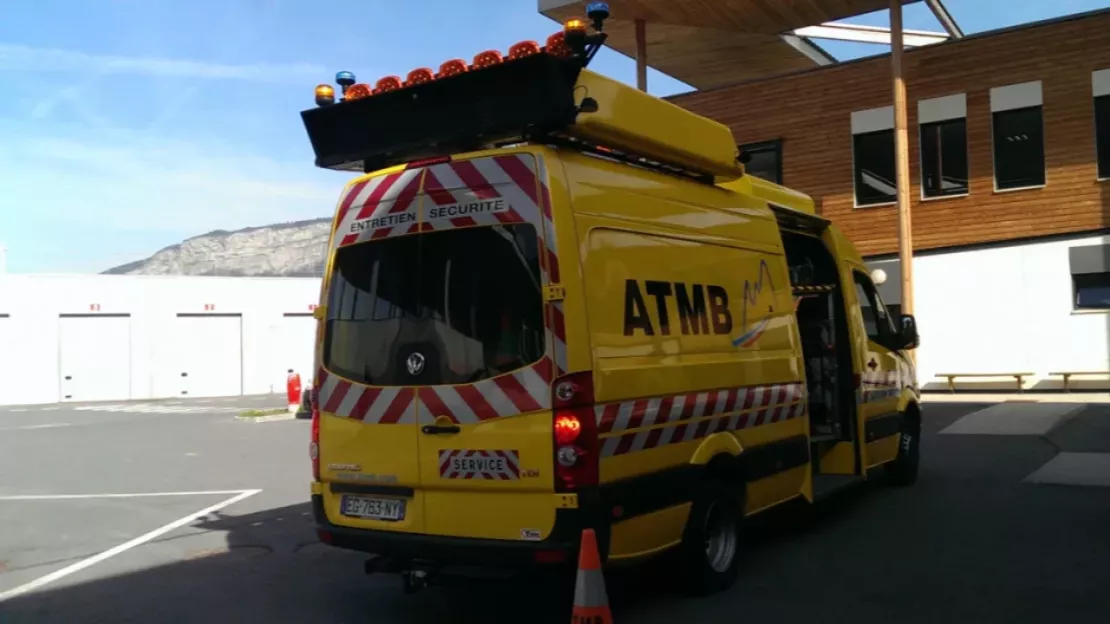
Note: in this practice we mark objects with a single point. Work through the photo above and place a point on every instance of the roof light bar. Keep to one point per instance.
(575, 39)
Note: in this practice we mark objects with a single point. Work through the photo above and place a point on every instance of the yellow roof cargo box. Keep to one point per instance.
(537, 94)
(632, 121)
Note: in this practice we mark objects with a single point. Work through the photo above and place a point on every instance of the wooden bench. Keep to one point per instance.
(1067, 375)
(1018, 377)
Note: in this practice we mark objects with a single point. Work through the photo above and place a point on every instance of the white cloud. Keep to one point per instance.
(17, 57)
(123, 181)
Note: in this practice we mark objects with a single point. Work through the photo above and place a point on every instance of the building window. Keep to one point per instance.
(1102, 135)
(763, 160)
(1018, 131)
(1092, 291)
(1090, 277)
(944, 162)
(873, 156)
(1101, 86)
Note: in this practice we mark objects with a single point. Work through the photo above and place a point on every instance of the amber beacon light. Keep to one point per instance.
(325, 95)
(574, 41)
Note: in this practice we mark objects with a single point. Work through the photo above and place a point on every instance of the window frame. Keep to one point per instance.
(994, 150)
(1086, 309)
(774, 145)
(921, 159)
(887, 337)
(1100, 175)
(855, 187)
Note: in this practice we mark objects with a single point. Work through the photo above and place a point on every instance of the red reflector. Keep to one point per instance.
(357, 92)
(557, 45)
(325, 536)
(550, 556)
(419, 76)
(523, 49)
(487, 58)
(567, 428)
(389, 83)
(452, 68)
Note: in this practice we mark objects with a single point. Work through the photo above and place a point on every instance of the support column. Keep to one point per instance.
(641, 55)
(902, 158)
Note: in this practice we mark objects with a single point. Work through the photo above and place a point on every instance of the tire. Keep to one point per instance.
(709, 556)
(903, 470)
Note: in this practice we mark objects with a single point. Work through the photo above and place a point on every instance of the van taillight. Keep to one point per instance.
(574, 429)
(314, 445)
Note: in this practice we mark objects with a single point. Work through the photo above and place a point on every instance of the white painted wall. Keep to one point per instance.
(1006, 309)
(30, 338)
(989, 310)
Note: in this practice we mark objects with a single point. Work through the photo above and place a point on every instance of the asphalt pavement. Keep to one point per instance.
(194, 516)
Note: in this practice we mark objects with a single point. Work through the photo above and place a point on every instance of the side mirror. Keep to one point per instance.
(908, 332)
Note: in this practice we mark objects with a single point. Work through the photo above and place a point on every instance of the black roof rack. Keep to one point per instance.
(469, 111)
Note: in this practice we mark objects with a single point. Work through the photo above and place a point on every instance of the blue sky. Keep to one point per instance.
(129, 125)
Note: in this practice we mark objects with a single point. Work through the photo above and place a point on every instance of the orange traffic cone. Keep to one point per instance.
(591, 603)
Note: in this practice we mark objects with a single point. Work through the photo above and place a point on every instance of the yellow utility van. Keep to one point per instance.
(553, 302)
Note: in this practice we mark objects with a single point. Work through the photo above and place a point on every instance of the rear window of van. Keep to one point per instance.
(448, 307)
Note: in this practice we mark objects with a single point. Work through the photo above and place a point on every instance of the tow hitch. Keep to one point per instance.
(414, 580)
(413, 577)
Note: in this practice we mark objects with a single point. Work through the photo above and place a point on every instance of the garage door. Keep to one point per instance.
(209, 357)
(296, 346)
(95, 357)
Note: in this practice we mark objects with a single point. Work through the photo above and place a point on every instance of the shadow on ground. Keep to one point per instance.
(969, 543)
(273, 569)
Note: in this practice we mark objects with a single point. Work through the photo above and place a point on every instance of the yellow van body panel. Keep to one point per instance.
(676, 296)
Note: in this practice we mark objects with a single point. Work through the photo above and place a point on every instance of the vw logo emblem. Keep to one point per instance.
(415, 364)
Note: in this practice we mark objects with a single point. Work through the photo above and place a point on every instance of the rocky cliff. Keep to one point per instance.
(282, 250)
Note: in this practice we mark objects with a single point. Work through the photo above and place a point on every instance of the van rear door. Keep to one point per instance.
(460, 325)
(368, 437)
(486, 426)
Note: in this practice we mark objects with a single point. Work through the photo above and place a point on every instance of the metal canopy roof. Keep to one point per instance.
(712, 43)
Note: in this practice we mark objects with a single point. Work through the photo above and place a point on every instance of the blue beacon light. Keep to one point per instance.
(344, 79)
(601, 8)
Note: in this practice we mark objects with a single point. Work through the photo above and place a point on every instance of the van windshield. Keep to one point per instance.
(446, 307)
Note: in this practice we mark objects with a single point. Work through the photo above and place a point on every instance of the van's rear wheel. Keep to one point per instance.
(711, 544)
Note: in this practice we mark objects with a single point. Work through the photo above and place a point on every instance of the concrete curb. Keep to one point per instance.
(1028, 397)
(271, 418)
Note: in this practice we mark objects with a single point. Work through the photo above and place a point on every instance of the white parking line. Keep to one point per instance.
(33, 427)
(19, 497)
(112, 552)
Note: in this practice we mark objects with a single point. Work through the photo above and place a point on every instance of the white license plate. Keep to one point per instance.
(390, 509)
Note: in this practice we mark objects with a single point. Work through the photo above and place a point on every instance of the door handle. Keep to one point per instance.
(436, 429)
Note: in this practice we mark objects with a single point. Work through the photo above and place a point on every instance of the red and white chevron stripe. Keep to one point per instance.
(526, 390)
(370, 404)
(482, 464)
(671, 420)
(379, 208)
(520, 392)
